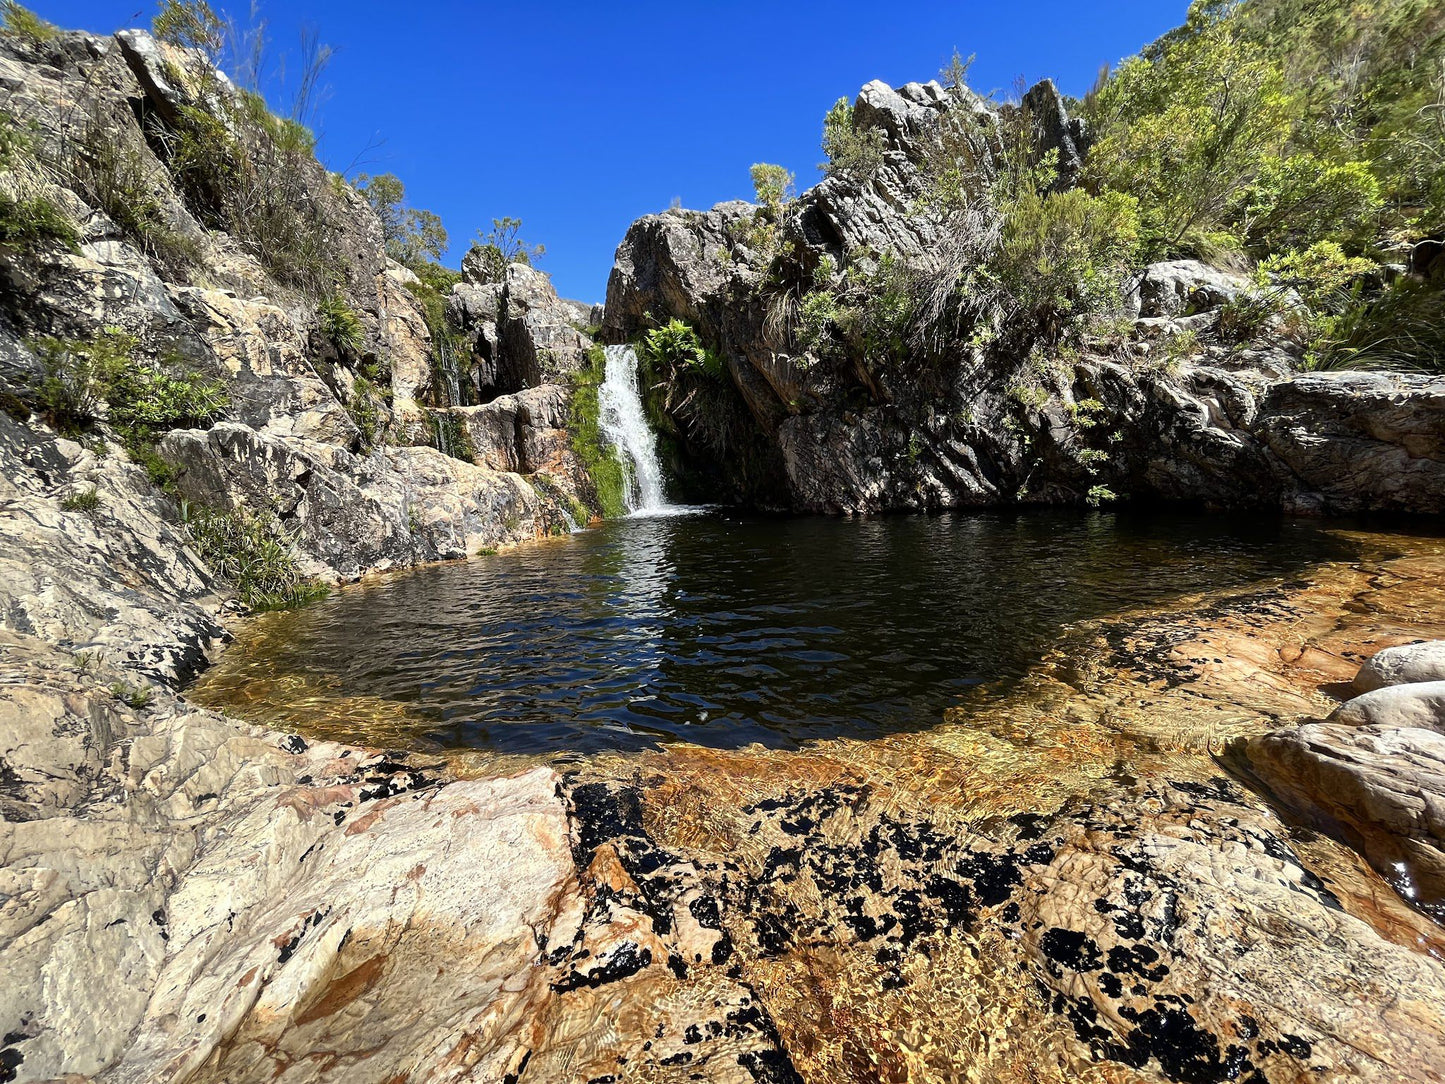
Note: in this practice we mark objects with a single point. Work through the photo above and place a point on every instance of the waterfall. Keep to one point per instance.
(624, 424)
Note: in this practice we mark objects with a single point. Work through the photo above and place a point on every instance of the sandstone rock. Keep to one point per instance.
(1403, 665)
(522, 334)
(116, 584)
(1378, 774)
(179, 906)
(356, 514)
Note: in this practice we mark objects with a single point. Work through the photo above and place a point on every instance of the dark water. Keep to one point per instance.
(725, 630)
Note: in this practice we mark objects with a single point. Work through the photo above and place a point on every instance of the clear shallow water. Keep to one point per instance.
(724, 630)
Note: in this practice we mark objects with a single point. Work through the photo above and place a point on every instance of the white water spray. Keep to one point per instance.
(624, 424)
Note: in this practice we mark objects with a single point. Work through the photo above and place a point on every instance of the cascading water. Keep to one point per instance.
(624, 424)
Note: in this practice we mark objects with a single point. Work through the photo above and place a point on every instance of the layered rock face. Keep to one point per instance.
(1161, 417)
(336, 432)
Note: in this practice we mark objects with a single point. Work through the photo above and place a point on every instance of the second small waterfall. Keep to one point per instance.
(624, 423)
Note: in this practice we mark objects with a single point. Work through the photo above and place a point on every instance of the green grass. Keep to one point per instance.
(82, 500)
(30, 222)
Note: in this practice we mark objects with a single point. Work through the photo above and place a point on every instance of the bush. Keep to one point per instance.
(82, 500)
(1062, 258)
(363, 411)
(1321, 275)
(33, 221)
(77, 377)
(1295, 200)
(676, 345)
(28, 217)
(190, 24)
(339, 323)
(1184, 127)
(114, 174)
(144, 399)
(852, 153)
(24, 25)
(253, 552)
(1400, 328)
(492, 252)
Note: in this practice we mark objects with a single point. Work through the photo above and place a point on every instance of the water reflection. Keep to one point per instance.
(725, 630)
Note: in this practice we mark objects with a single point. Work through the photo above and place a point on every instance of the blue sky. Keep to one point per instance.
(579, 118)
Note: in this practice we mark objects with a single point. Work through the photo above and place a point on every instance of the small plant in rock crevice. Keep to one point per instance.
(253, 552)
(132, 696)
(82, 500)
(339, 323)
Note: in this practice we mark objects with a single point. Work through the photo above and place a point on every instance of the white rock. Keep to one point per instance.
(1419, 706)
(1403, 665)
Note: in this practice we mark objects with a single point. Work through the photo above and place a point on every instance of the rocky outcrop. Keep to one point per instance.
(520, 334)
(1177, 412)
(318, 425)
(1374, 771)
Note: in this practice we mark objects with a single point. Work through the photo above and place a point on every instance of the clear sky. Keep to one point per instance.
(579, 118)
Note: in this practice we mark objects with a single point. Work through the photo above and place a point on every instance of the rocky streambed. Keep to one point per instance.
(1139, 863)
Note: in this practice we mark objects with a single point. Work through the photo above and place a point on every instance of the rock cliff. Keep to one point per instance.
(335, 404)
(1175, 409)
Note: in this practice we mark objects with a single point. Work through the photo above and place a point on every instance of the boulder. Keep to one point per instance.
(1183, 287)
(1403, 665)
(350, 514)
(1420, 705)
(1375, 775)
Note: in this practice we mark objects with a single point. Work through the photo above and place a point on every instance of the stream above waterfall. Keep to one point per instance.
(724, 630)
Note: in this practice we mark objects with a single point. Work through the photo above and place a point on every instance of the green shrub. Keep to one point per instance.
(254, 553)
(111, 172)
(1321, 274)
(24, 25)
(676, 345)
(1399, 328)
(77, 377)
(144, 399)
(28, 222)
(852, 152)
(82, 500)
(1062, 257)
(133, 696)
(339, 323)
(492, 252)
(1293, 201)
(191, 24)
(254, 174)
(1184, 127)
(363, 411)
(27, 216)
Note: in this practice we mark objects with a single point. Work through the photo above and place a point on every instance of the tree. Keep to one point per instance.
(493, 251)
(412, 236)
(1185, 126)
